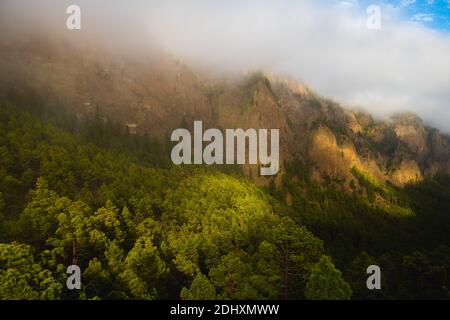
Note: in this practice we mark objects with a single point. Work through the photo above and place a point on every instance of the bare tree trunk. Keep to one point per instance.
(74, 251)
(286, 276)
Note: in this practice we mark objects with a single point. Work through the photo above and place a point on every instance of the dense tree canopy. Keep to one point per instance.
(139, 230)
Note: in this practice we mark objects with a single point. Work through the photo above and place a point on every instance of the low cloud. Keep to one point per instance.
(326, 44)
(401, 67)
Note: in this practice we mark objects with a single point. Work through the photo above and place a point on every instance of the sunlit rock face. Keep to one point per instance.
(158, 93)
(409, 172)
(410, 130)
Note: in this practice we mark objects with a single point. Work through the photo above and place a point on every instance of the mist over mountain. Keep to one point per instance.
(86, 177)
(402, 67)
(158, 93)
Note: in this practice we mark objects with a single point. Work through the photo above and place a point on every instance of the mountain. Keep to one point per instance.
(158, 93)
(86, 179)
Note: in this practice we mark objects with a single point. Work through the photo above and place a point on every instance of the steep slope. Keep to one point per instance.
(158, 94)
(146, 233)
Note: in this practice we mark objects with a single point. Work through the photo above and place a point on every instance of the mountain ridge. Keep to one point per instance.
(159, 93)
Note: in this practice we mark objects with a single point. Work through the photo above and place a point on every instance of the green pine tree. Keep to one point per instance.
(201, 289)
(326, 283)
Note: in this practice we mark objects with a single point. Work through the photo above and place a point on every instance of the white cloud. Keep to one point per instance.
(406, 3)
(347, 3)
(403, 66)
(423, 17)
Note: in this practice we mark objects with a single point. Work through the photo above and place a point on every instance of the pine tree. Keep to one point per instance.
(326, 283)
(21, 277)
(297, 249)
(201, 289)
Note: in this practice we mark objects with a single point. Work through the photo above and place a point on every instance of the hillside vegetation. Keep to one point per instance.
(77, 187)
(139, 232)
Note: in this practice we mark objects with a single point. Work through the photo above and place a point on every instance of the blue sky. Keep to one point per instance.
(434, 14)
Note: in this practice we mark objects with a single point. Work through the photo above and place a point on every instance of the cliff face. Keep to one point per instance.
(334, 160)
(158, 93)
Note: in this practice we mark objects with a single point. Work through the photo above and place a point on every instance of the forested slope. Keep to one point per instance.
(136, 232)
(71, 192)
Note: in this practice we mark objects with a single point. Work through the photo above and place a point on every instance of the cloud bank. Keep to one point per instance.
(326, 44)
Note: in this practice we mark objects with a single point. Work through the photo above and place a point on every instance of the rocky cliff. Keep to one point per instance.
(157, 93)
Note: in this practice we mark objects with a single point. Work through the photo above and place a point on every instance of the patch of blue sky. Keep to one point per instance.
(433, 14)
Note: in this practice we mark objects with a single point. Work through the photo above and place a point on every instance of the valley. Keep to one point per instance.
(77, 185)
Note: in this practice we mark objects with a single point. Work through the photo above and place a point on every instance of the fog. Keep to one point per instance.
(325, 44)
